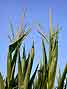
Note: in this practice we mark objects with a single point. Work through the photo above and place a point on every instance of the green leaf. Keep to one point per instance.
(23, 69)
(23, 63)
(60, 86)
(13, 45)
(32, 78)
(29, 68)
(24, 55)
(20, 81)
(1, 82)
(27, 61)
(13, 63)
(9, 60)
(59, 77)
(43, 36)
(53, 63)
(44, 55)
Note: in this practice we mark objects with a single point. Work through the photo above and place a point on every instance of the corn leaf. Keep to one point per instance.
(53, 64)
(44, 55)
(30, 63)
(1, 82)
(13, 45)
(60, 86)
(23, 63)
(9, 60)
(32, 78)
(20, 81)
(13, 63)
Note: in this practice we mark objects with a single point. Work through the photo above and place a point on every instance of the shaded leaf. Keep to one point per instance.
(32, 78)
(30, 63)
(1, 82)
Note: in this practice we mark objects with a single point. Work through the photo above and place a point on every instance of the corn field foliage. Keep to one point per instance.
(44, 75)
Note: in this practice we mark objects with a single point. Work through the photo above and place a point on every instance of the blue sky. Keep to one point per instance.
(37, 11)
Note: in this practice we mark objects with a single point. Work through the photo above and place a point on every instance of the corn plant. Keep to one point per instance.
(47, 70)
(22, 79)
(24, 70)
(11, 62)
(46, 74)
